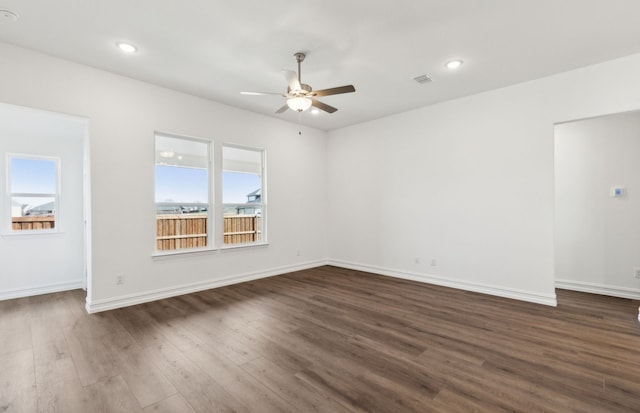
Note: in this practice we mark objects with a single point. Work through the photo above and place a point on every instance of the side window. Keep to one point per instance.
(33, 192)
(182, 192)
(243, 195)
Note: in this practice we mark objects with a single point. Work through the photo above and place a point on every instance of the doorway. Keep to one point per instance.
(597, 205)
(44, 213)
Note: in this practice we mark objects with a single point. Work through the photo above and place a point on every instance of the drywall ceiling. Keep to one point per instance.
(215, 49)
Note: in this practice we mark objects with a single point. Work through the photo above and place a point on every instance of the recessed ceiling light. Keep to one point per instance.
(127, 47)
(9, 15)
(454, 64)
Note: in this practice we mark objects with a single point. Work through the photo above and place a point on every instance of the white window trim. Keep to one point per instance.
(215, 239)
(210, 198)
(7, 226)
(263, 197)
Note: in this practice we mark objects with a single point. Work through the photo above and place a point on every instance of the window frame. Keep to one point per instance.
(9, 195)
(263, 198)
(215, 237)
(210, 227)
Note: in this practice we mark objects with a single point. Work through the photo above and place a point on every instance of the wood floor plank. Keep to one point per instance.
(281, 381)
(59, 387)
(15, 332)
(407, 374)
(285, 350)
(172, 404)
(234, 346)
(91, 358)
(111, 395)
(237, 382)
(203, 393)
(141, 326)
(18, 391)
(143, 378)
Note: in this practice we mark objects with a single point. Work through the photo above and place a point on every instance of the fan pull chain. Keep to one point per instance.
(299, 123)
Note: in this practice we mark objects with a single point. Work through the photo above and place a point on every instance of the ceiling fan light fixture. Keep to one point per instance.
(299, 104)
(300, 96)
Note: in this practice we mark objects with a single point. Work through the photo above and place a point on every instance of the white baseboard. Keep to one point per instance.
(41, 289)
(521, 295)
(96, 306)
(593, 288)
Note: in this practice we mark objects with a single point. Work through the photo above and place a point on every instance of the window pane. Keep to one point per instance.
(240, 188)
(181, 185)
(182, 193)
(182, 152)
(33, 193)
(33, 176)
(33, 213)
(242, 224)
(241, 160)
(242, 195)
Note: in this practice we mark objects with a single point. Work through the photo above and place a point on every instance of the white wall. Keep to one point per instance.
(468, 183)
(597, 237)
(123, 115)
(40, 263)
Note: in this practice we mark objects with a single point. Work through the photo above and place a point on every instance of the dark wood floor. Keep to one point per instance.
(322, 340)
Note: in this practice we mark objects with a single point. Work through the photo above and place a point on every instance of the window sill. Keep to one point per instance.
(31, 233)
(242, 246)
(162, 255)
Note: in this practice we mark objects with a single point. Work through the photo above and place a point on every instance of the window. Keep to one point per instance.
(183, 176)
(243, 197)
(33, 192)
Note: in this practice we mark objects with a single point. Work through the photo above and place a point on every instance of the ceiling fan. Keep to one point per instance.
(300, 96)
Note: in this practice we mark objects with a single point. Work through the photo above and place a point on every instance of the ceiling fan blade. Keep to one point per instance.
(334, 91)
(282, 109)
(261, 93)
(322, 106)
(292, 79)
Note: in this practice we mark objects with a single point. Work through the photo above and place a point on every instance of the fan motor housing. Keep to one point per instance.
(304, 90)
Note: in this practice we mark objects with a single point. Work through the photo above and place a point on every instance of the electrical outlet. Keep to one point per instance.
(119, 278)
(299, 253)
(417, 260)
(434, 262)
(636, 272)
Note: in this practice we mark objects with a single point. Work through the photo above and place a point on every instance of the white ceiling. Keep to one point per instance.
(215, 48)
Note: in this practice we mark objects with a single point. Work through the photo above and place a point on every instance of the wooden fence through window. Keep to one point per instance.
(177, 231)
(240, 229)
(174, 231)
(33, 223)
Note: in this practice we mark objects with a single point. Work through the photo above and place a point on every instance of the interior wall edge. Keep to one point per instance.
(515, 294)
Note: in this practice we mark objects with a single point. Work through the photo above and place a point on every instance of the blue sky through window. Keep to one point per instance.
(33, 176)
(236, 186)
(178, 184)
